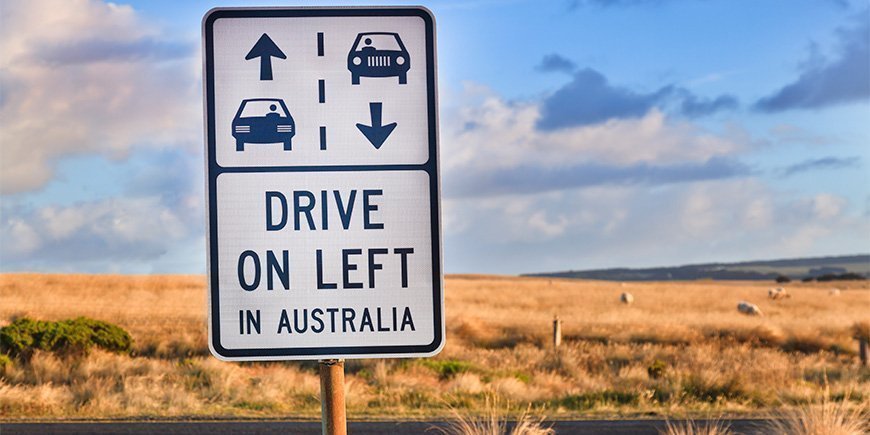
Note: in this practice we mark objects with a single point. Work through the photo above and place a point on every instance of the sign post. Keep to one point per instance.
(322, 187)
(332, 406)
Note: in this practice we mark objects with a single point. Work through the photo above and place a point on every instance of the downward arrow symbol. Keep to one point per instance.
(376, 133)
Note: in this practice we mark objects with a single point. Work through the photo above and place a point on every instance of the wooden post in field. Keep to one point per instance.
(557, 332)
(332, 408)
(863, 350)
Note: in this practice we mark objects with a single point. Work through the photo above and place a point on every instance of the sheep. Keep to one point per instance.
(626, 298)
(834, 292)
(749, 309)
(777, 293)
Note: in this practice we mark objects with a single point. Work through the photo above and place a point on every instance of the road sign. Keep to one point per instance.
(322, 182)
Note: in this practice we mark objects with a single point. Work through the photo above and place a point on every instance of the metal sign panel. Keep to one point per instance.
(322, 183)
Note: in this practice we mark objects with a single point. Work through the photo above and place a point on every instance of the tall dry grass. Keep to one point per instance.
(690, 427)
(495, 421)
(825, 418)
(680, 349)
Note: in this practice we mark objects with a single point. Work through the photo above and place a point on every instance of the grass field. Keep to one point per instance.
(680, 349)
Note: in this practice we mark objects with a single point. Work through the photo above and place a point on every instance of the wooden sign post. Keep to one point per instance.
(332, 405)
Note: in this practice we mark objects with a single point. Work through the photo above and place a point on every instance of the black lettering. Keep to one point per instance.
(366, 320)
(299, 208)
(347, 315)
(380, 324)
(282, 271)
(368, 208)
(270, 226)
(332, 312)
(304, 320)
(253, 320)
(320, 284)
(316, 320)
(324, 211)
(284, 323)
(375, 266)
(404, 253)
(407, 320)
(344, 212)
(347, 267)
(241, 270)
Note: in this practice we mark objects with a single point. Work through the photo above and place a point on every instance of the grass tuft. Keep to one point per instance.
(495, 421)
(828, 418)
(690, 427)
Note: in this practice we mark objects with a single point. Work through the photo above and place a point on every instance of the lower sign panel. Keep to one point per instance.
(322, 261)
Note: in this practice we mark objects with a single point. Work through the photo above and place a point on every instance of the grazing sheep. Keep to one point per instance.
(749, 309)
(777, 293)
(834, 292)
(626, 298)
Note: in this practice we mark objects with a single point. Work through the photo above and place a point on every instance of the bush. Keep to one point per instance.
(656, 369)
(782, 279)
(5, 364)
(72, 336)
(590, 400)
(713, 391)
(447, 368)
(861, 331)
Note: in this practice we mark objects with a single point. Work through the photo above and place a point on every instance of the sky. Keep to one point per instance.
(575, 134)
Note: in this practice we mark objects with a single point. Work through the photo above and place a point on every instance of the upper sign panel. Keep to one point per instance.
(321, 91)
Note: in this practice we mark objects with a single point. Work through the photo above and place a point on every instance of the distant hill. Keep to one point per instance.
(795, 269)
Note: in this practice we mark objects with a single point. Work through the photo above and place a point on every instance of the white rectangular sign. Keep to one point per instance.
(322, 183)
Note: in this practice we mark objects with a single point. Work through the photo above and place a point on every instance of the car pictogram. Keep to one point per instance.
(378, 54)
(263, 120)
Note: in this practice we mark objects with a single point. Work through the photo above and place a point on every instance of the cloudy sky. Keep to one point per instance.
(575, 133)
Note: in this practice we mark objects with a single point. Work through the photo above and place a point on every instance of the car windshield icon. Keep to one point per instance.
(263, 120)
(378, 54)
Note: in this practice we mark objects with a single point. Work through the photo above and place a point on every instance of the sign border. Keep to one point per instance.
(213, 170)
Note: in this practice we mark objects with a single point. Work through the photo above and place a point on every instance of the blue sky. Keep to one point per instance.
(575, 134)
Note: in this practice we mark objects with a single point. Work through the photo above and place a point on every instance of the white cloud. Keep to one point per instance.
(542, 224)
(608, 226)
(711, 214)
(19, 237)
(113, 230)
(493, 133)
(88, 77)
(493, 147)
(827, 206)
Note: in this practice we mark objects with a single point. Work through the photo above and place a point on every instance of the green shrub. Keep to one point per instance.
(656, 369)
(72, 336)
(590, 400)
(447, 368)
(5, 364)
(713, 391)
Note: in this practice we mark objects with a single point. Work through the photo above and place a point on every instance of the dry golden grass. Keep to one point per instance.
(495, 422)
(714, 427)
(680, 349)
(826, 418)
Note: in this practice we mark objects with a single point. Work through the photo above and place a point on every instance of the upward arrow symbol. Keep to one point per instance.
(265, 49)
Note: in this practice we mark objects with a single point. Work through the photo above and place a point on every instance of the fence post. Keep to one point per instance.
(557, 332)
(863, 350)
(332, 407)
